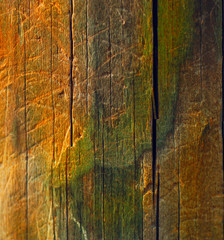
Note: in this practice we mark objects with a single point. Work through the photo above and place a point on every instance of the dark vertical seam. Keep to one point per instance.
(109, 41)
(111, 202)
(155, 111)
(18, 19)
(53, 159)
(98, 116)
(26, 141)
(98, 169)
(122, 39)
(223, 102)
(155, 57)
(201, 77)
(155, 92)
(98, 101)
(174, 143)
(26, 134)
(60, 201)
(81, 206)
(178, 194)
(134, 152)
(66, 190)
(81, 199)
(29, 14)
(122, 192)
(79, 152)
(71, 110)
(59, 172)
(134, 121)
(157, 208)
(201, 47)
(122, 156)
(71, 73)
(79, 203)
(178, 187)
(154, 149)
(103, 175)
(122, 144)
(123, 198)
(111, 177)
(94, 154)
(87, 57)
(117, 160)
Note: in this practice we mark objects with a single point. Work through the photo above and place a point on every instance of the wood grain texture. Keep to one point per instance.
(111, 119)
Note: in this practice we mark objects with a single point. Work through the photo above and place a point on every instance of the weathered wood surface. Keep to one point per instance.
(77, 99)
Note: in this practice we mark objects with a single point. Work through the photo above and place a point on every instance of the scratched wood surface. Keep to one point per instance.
(111, 119)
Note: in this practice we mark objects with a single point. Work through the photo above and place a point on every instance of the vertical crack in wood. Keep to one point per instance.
(178, 190)
(109, 42)
(176, 152)
(71, 72)
(154, 149)
(18, 18)
(200, 17)
(134, 152)
(178, 196)
(123, 188)
(29, 14)
(157, 208)
(60, 203)
(26, 142)
(174, 143)
(134, 133)
(94, 154)
(155, 92)
(155, 112)
(26, 135)
(87, 58)
(103, 176)
(155, 57)
(201, 82)
(122, 144)
(110, 83)
(66, 191)
(122, 39)
(223, 106)
(71, 109)
(80, 203)
(53, 113)
(59, 172)
(117, 155)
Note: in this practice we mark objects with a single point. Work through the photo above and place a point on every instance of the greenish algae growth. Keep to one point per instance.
(110, 152)
(176, 30)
